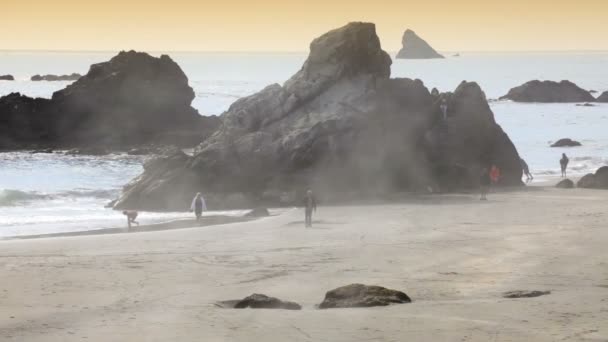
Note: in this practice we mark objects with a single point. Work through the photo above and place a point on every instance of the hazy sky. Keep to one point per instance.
(288, 25)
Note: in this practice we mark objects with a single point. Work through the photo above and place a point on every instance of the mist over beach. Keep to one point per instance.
(284, 171)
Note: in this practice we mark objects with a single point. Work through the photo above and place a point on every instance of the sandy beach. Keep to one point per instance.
(452, 254)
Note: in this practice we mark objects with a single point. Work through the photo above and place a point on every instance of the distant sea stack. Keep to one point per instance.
(132, 99)
(603, 98)
(54, 78)
(549, 92)
(340, 126)
(7, 78)
(415, 47)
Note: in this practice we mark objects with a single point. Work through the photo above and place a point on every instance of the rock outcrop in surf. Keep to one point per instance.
(340, 126)
(132, 99)
(566, 142)
(7, 78)
(548, 92)
(415, 47)
(55, 78)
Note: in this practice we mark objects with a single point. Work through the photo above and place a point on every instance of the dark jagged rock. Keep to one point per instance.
(415, 47)
(342, 127)
(565, 184)
(258, 212)
(599, 180)
(525, 294)
(7, 78)
(548, 92)
(53, 78)
(603, 98)
(360, 296)
(566, 142)
(132, 99)
(260, 301)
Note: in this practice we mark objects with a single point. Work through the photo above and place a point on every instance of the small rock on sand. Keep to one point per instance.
(359, 295)
(260, 301)
(525, 294)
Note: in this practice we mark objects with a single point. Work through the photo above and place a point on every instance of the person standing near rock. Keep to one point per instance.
(310, 205)
(494, 174)
(444, 109)
(526, 170)
(198, 206)
(484, 183)
(564, 164)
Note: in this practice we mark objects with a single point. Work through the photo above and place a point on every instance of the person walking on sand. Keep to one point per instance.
(484, 184)
(564, 164)
(310, 205)
(526, 170)
(198, 206)
(131, 216)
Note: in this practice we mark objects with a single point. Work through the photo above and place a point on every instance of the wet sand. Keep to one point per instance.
(453, 255)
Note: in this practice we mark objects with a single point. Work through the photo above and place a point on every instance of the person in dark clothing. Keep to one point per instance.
(310, 205)
(484, 183)
(564, 164)
(526, 170)
(131, 216)
(198, 206)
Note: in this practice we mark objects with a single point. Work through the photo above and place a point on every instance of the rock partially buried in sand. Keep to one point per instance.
(599, 180)
(525, 294)
(258, 212)
(415, 47)
(565, 184)
(260, 301)
(361, 296)
(548, 92)
(567, 142)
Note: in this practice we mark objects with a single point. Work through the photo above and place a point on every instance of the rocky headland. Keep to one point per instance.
(340, 126)
(131, 100)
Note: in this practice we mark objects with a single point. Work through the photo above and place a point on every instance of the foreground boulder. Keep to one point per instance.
(415, 47)
(565, 184)
(340, 126)
(599, 180)
(361, 296)
(603, 98)
(566, 142)
(54, 78)
(260, 301)
(130, 100)
(548, 91)
(7, 78)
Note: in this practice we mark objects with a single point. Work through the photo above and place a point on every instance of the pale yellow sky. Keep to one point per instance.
(287, 25)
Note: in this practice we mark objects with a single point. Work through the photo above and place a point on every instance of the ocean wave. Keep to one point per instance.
(10, 197)
(14, 197)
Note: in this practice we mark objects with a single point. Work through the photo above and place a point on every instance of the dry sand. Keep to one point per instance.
(453, 254)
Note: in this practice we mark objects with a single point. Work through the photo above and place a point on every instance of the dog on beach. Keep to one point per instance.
(131, 216)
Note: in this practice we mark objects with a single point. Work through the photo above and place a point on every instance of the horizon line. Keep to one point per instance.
(4, 50)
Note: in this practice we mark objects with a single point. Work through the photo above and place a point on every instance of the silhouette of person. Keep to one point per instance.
(310, 205)
(198, 206)
(564, 164)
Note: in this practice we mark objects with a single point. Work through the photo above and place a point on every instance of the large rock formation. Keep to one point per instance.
(548, 91)
(7, 78)
(340, 126)
(415, 47)
(54, 78)
(132, 99)
(599, 180)
(603, 98)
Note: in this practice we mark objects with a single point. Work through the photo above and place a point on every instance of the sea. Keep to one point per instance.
(53, 193)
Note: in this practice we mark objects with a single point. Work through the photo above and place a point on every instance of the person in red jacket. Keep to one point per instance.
(494, 174)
